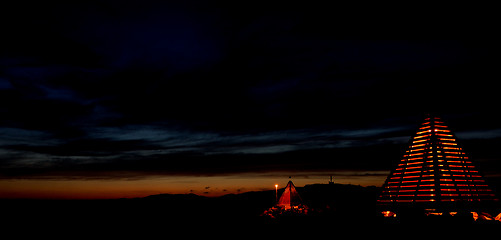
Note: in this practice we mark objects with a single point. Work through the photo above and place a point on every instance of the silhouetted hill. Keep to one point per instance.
(335, 203)
(184, 207)
(332, 205)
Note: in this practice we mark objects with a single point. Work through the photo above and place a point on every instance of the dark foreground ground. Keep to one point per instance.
(346, 209)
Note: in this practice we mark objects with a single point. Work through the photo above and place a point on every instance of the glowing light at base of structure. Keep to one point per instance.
(389, 214)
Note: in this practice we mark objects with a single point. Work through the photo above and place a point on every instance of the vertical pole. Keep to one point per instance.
(276, 193)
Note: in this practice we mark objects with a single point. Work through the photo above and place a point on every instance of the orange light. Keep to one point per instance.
(416, 150)
(449, 195)
(389, 214)
(411, 181)
(446, 143)
(444, 135)
(418, 145)
(406, 191)
(428, 185)
(427, 190)
(416, 176)
(448, 139)
(412, 163)
(414, 167)
(422, 136)
(415, 154)
(441, 130)
(418, 141)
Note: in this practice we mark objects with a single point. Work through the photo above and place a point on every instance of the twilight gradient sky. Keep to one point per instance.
(121, 99)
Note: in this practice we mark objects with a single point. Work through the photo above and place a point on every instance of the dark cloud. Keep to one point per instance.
(87, 147)
(204, 88)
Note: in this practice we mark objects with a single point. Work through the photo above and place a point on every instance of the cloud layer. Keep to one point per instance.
(158, 88)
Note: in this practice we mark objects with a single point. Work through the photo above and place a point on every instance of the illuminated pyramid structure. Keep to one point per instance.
(435, 171)
(290, 204)
(290, 197)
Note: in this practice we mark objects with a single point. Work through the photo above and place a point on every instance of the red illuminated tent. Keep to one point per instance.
(435, 170)
(290, 204)
(290, 197)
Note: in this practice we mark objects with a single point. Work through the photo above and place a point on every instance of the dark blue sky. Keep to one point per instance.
(92, 88)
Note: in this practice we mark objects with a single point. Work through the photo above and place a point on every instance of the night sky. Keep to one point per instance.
(121, 99)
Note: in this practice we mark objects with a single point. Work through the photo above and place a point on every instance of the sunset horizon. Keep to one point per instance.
(209, 112)
(210, 186)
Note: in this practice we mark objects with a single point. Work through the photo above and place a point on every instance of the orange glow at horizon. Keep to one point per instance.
(122, 188)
